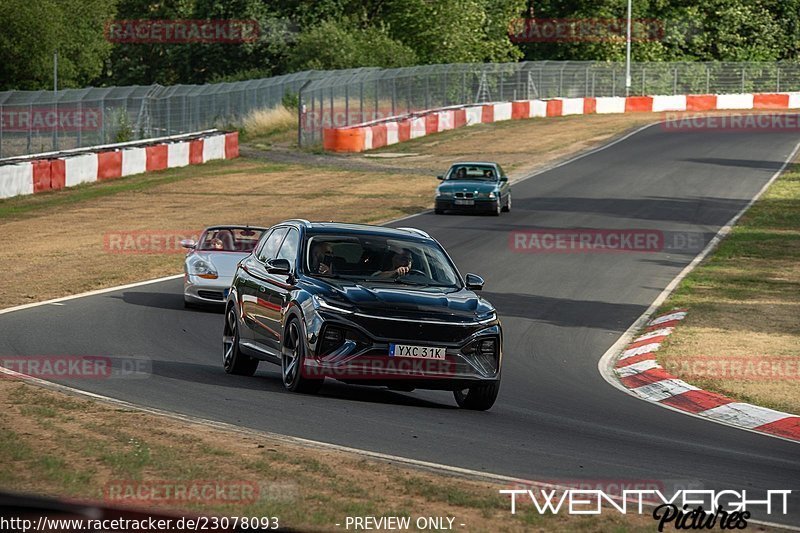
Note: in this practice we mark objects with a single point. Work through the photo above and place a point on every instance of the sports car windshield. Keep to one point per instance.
(229, 240)
(377, 259)
(472, 172)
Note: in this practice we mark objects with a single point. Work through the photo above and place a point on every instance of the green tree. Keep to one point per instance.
(339, 45)
(32, 30)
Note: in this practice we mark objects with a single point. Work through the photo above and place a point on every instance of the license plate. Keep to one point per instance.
(421, 352)
(465, 202)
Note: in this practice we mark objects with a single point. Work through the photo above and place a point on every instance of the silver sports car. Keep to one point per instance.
(211, 262)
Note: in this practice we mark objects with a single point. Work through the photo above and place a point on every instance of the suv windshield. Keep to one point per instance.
(472, 172)
(370, 258)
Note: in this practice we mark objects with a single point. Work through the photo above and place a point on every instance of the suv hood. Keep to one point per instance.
(405, 301)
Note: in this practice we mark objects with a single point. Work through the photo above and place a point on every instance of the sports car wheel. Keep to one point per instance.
(292, 357)
(479, 397)
(233, 360)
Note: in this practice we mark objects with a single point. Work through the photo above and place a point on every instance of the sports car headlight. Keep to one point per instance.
(325, 305)
(202, 268)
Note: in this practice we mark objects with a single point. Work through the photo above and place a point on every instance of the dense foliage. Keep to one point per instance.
(330, 34)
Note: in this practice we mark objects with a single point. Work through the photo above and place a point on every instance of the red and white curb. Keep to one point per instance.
(637, 370)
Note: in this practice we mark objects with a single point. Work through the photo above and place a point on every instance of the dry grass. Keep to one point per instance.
(268, 122)
(60, 445)
(744, 306)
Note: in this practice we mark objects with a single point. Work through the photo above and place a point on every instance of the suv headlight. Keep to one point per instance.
(202, 268)
(325, 305)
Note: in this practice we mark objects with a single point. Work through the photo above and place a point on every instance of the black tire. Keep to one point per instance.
(479, 397)
(507, 207)
(438, 211)
(293, 352)
(233, 360)
(497, 209)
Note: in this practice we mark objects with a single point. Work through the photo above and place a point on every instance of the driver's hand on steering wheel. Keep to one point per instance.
(402, 271)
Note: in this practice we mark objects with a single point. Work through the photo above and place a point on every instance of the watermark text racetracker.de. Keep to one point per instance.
(87, 367)
(561, 241)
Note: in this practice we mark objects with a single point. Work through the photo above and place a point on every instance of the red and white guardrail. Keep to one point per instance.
(52, 171)
(376, 134)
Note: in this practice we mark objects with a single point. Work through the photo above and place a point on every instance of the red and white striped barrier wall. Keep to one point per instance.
(35, 175)
(637, 369)
(371, 135)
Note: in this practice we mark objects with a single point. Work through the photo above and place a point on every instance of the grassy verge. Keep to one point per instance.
(66, 446)
(744, 307)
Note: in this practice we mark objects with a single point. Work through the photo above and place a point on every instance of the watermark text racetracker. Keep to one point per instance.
(556, 240)
(148, 241)
(146, 31)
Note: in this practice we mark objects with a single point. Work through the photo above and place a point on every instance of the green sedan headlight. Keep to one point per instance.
(443, 194)
(492, 195)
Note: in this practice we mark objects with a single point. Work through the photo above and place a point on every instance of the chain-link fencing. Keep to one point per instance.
(43, 121)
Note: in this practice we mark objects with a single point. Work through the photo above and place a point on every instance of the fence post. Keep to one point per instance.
(613, 81)
(361, 102)
(586, 83)
(444, 89)
(300, 106)
(675, 82)
(428, 91)
(708, 80)
(347, 104)
(743, 70)
(778, 80)
(394, 97)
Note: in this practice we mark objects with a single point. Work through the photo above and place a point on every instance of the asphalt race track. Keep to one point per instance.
(556, 417)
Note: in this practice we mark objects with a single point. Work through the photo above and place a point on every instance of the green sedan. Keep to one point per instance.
(474, 186)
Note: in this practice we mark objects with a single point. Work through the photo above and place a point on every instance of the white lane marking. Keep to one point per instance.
(606, 363)
(668, 318)
(647, 348)
(661, 390)
(57, 301)
(637, 368)
(653, 334)
(744, 414)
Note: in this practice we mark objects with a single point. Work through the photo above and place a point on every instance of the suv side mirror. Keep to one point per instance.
(474, 282)
(440, 177)
(503, 178)
(279, 266)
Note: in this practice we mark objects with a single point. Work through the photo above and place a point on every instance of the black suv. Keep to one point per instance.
(362, 304)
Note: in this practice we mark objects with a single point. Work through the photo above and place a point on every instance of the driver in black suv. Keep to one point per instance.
(401, 264)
